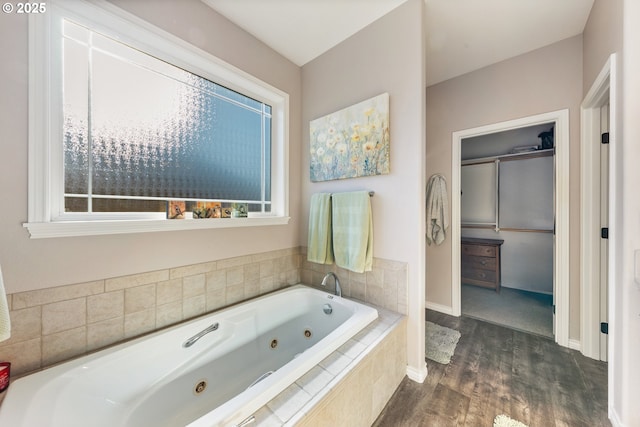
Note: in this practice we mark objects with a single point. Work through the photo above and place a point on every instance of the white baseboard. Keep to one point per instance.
(575, 345)
(439, 308)
(613, 417)
(417, 375)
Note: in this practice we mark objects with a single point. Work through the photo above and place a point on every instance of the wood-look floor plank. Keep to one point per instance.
(497, 370)
(446, 408)
(532, 403)
(491, 394)
(462, 371)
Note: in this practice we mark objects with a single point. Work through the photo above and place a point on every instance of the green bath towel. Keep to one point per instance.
(319, 248)
(352, 231)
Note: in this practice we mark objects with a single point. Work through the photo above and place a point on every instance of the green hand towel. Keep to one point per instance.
(319, 248)
(352, 231)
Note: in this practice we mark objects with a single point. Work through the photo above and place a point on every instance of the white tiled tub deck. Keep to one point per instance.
(368, 367)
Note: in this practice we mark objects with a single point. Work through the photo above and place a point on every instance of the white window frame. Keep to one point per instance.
(46, 173)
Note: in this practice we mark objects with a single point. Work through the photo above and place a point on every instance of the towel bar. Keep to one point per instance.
(371, 193)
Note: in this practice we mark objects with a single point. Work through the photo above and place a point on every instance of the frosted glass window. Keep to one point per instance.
(139, 131)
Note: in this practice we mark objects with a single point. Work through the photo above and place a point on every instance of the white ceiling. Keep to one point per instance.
(462, 35)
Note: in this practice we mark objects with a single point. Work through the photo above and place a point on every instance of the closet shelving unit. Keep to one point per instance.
(495, 224)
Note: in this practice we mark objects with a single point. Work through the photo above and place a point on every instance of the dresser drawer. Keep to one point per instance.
(479, 262)
(481, 275)
(479, 250)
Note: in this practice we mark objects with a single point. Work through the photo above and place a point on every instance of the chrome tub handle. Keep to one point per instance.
(191, 341)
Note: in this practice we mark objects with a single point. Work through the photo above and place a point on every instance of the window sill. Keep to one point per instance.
(41, 230)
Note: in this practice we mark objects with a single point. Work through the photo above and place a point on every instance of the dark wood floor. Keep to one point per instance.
(496, 370)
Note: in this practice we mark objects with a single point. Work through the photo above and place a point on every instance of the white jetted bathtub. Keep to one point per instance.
(214, 371)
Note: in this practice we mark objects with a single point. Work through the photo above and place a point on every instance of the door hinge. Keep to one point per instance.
(605, 138)
(604, 328)
(554, 309)
(604, 232)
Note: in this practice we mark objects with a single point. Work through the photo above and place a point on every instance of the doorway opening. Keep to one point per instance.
(559, 227)
(507, 221)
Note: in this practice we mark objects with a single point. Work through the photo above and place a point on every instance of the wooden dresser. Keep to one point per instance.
(481, 262)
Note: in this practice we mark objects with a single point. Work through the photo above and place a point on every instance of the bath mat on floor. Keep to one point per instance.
(504, 421)
(440, 342)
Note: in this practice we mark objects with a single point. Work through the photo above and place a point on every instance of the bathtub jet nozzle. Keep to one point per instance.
(191, 341)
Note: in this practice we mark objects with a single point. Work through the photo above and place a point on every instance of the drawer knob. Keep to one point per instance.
(483, 262)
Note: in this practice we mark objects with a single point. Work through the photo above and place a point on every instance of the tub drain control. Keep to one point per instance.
(327, 309)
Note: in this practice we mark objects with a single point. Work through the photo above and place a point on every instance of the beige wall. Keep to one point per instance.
(30, 264)
(541, 81)
(387, 56)
(602, 36)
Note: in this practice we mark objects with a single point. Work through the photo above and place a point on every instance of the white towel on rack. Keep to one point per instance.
(5, 321)
(437, 209)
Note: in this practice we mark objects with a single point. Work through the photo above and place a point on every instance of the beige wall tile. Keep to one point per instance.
(267, 268)
(63, 345)
(26, 324)
(104, 333)
(25, 356)
(234, 294)
(168, 314)
(306, 277)
(193, 286)
(216, 280)
(169, 291)
(139, 298)
(358, 290)
(216, 299)
(61, 293)
(134, 280)
(192, 270)
(139, 323)
(105, 306)
(64, 315)
(267, 284)
(252, 271)
(234, 262)
(375, 277)
(194, 306)
(235, 276)
(292, 277)
(251, 288)
(288, 262)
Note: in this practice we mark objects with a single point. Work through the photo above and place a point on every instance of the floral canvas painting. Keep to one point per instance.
(352, 142)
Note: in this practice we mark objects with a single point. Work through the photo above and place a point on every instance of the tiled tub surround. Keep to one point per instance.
(351, 386)
(386, 285)
(56, 324)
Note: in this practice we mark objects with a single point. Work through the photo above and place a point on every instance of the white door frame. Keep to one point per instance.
(602, 91)
(561, 253)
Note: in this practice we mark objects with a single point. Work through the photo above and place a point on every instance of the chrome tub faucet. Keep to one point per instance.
(335, 279)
